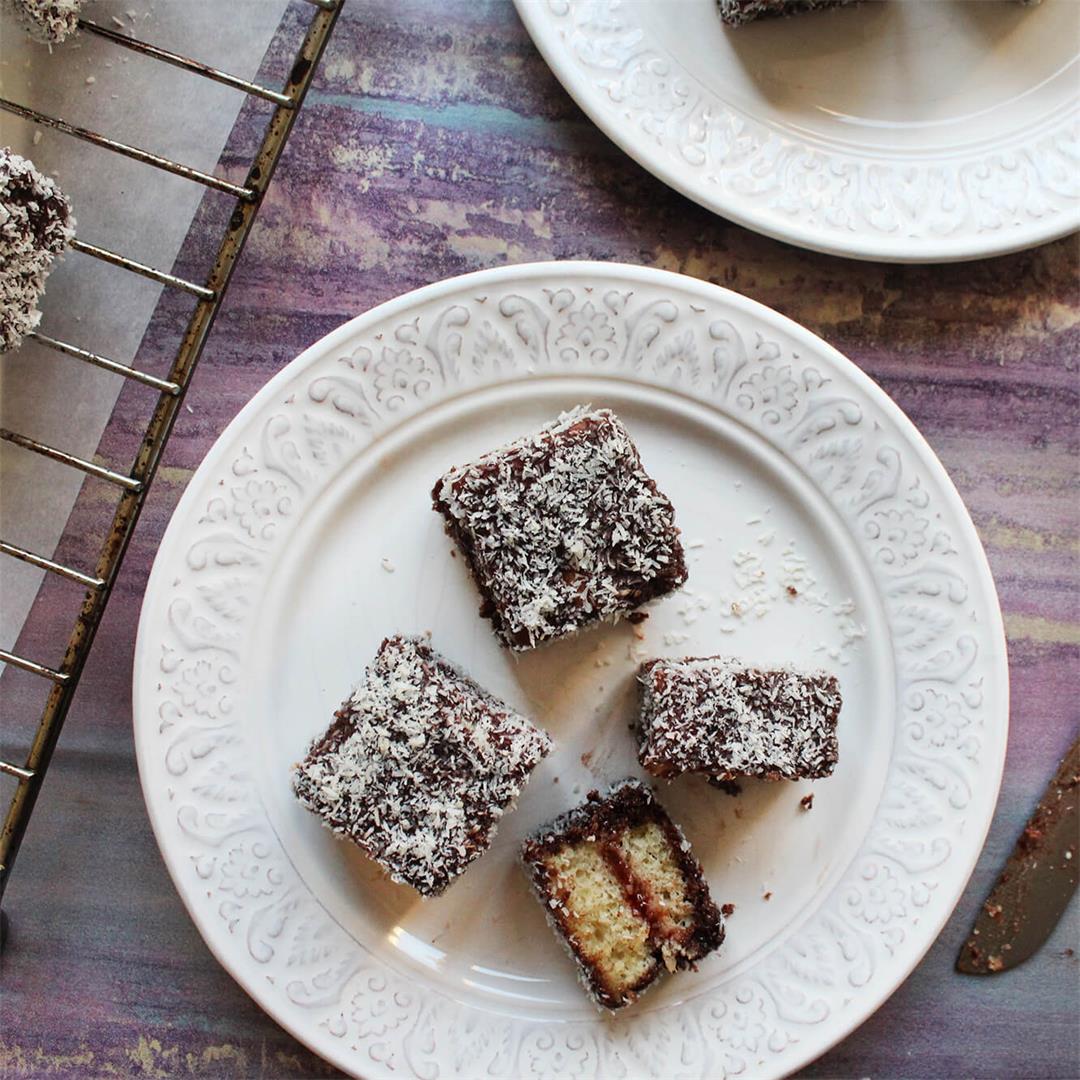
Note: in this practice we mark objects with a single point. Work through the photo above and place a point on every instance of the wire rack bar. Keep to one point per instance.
(187, 64)
(34, 667)
(15, 770)
(201, 291)
(42, 563)
(144, 377)
(88, 467)
(144, 156)
(158, 430)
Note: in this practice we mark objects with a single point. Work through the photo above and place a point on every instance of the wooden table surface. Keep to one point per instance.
(435, 142)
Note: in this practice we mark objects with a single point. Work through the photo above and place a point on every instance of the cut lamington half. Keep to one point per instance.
(621, 888)
(562, 528)
(729, 719)
(737, 12)
(35, 227)
(418, 766)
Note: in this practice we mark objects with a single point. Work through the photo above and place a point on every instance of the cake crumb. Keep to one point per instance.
(807, 801)
(637, 617)
(387, 565)
(727, 910)
(768, 895)
(90, 80)
(792, 591)
(995, 963)
(728, 787)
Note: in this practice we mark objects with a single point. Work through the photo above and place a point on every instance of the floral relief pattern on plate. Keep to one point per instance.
(1008, 190)
(527, 324)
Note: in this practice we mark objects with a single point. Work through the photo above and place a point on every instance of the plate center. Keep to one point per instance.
(774, 577)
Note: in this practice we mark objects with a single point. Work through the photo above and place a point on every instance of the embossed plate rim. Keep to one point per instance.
(651, 153)
(433, 1010)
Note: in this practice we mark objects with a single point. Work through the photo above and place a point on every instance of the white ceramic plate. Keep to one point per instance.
(307, 535)
(918, 131)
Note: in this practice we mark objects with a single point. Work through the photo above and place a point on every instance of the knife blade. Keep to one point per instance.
(1036, 882)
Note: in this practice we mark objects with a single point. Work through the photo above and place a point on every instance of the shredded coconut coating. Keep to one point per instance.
(49, 21)
(35, 226)
(726, 718)
(419, 766)
(737, 12)
(562, 528)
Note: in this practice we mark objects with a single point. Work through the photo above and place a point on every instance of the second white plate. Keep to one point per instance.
(820, 529)
(905, 131)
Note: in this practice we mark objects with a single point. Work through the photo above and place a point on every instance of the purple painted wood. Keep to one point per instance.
(436, 142)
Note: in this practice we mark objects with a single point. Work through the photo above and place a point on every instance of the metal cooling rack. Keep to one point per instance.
(134, 484)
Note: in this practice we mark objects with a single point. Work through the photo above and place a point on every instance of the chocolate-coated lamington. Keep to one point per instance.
(728, 719)
(418, 766)
(562, 528)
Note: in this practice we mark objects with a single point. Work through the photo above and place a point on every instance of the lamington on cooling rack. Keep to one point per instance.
(418, 766)
(35, 226)
(737, 12)
(49, 21)
(562, 528)
(621, 888)
(729, 719)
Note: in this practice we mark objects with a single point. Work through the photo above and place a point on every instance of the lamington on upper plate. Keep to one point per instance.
(562, 528)
(737, 12)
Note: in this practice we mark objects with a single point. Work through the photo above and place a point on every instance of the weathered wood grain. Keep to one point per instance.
(436, 142)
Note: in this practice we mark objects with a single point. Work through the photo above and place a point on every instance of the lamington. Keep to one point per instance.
(737, 12)
(36, 225)
(621, 888)
(562, 528)
(418, 766)
(49, 21)
(729, 719)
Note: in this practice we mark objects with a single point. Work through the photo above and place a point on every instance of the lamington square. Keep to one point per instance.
(729, 719)
(36, 225)
(48, 21)
(737, 12)
(621, 888)
(419, 765)
(562, 528)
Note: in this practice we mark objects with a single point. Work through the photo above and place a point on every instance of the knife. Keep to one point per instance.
(1036, 883)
